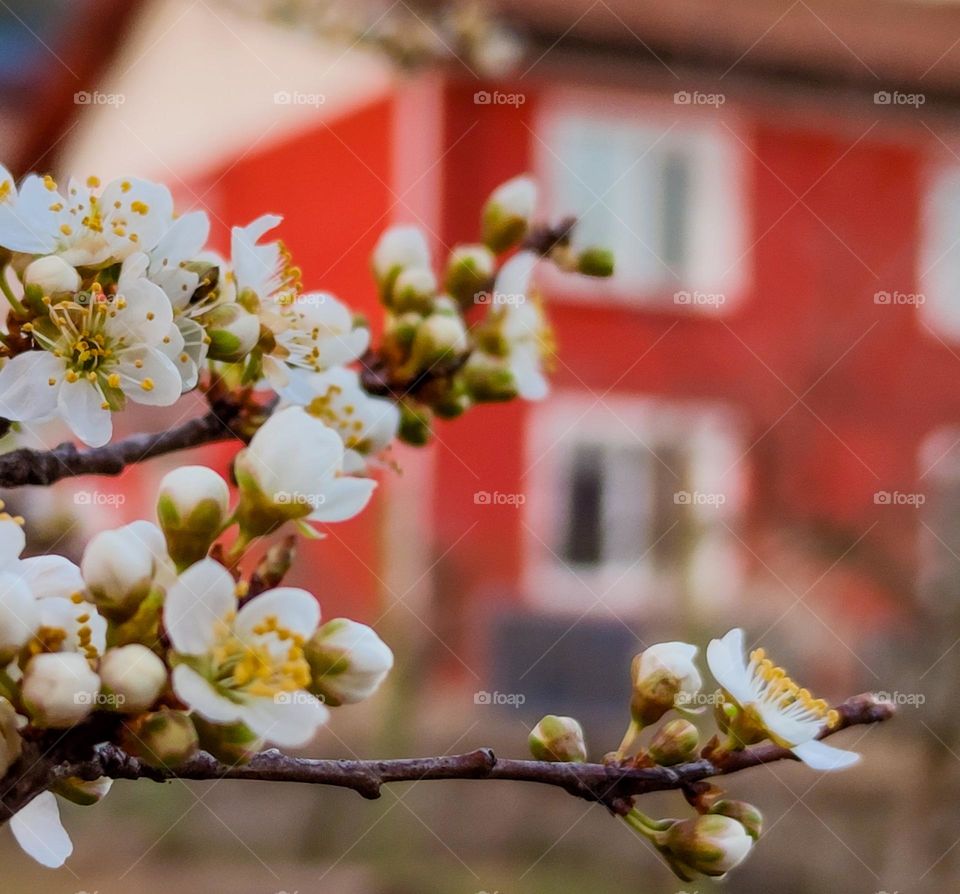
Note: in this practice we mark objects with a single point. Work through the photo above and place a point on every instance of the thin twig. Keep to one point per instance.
(609, 784)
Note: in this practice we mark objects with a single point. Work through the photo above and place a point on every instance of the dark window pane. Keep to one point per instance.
(674, 196)
(583, 539)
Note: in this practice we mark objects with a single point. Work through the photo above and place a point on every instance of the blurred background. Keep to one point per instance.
(756, 422)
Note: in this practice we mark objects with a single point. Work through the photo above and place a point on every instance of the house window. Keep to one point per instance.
(939, 275)
(631, 497)
(664, 193)
(939, 566)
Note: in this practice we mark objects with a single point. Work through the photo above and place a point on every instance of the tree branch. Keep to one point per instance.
(44, 467)
(611, 785)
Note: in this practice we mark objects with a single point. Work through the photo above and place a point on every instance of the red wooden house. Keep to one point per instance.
(763, 403)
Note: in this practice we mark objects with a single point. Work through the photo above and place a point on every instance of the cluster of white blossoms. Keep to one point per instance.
(169, 650)
(114, 297)
(756, 701)
(158, 642)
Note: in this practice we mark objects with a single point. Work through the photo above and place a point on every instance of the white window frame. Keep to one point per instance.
(713, 434)
(938, 299)
(719, 238)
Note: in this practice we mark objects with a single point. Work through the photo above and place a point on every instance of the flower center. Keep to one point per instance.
(272, 663)
(784, 693)
(327, 408)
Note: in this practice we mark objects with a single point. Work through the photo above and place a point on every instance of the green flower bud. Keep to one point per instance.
(414, 424)
(231, 744)
(233, 332)
(663, 675)
(469, 272)
(506, 215)
(488, 379)
(192, 506)
(82, 792)
(595, 262)
(348, 662)
(675, 742)
(161, 738)
(441, 338)
(746, 814)
(414, 290)
(710, 845)
(558, 739)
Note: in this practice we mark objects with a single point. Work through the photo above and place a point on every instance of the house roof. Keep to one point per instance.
(870, 44)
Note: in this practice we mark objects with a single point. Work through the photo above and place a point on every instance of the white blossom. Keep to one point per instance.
(243, 666)
(366, 425)
(59, 689)
(771, 705)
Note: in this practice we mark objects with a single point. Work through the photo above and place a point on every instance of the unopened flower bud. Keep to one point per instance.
(709, 844)
(162, 738)
(595, 262)
(119, 566)
(192, 505)
(84, 792)
(10, 743)
(746, 814)
(558, 739)
(134, 676)
(414, 290)
(398, 248)
(507, 213)
(469, 273)
(233, 332)
(488, 379)
(440, 337)
(232, 744)
(674, 743)
(59, 689)
(52, 274)
(663, 676)
(414, 425)
(348, 662)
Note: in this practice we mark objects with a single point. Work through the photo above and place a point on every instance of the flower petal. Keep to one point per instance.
(197, 692)
(12, 541)
(40, 833)
(148, 377)
(289, 719)
(202, 598)
(343, 498)
(296, 610)
(51, 576)
(25, 390)
(81, 405)
(820, 756)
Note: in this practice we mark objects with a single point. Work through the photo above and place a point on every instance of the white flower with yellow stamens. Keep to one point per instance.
(42, 603)
(245, 666)
(366, 425)
(96, 350)
(766, 703)
(312, 331)
(85, 227)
